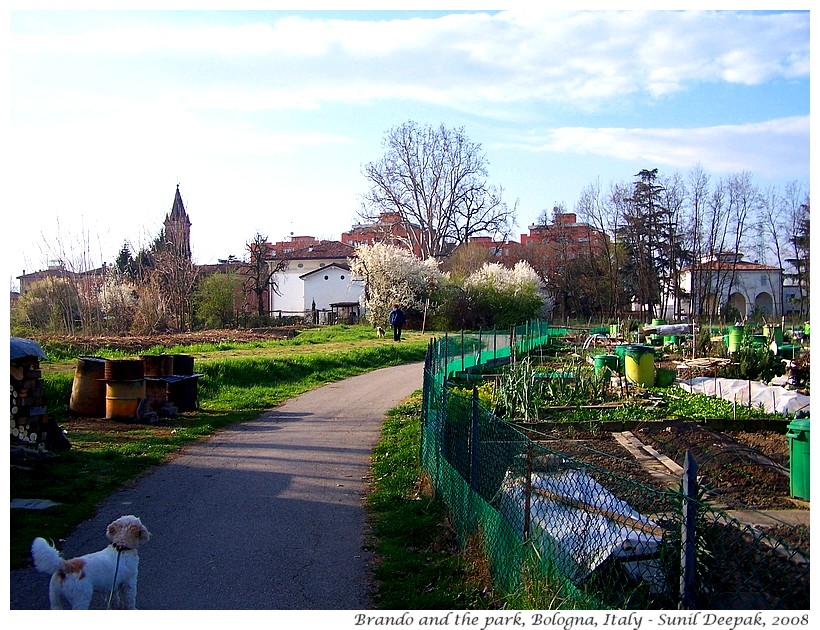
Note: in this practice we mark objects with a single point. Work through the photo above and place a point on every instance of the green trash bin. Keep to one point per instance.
(799, 472)
(606, 364)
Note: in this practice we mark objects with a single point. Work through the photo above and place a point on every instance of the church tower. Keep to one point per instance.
(178, 227)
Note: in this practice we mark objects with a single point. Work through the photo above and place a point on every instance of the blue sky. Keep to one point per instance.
(265, 117)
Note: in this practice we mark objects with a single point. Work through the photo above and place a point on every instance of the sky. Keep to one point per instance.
(265, 118)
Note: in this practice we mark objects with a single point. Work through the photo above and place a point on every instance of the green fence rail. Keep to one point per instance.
(601, 540)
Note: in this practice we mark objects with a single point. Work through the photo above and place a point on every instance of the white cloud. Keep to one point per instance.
(566, 57)
(772, 148)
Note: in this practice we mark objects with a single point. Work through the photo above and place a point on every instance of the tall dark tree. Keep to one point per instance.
(798, 226)
(435, 180)
(641, 233)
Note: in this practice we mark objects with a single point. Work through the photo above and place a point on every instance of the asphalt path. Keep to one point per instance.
(265, 515)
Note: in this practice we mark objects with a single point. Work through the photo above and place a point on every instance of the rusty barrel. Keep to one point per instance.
(88, 387)
(158, 365)
(183, 364)
(124, 388)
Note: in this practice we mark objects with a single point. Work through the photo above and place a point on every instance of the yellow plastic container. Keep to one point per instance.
(639, 365)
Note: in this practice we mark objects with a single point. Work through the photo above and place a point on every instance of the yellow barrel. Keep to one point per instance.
(774, 333)
(122, 399)
(639, 365)
(88, 387)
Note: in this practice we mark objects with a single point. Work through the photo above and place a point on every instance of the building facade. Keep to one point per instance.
(388, 229)
(726, 278)
(567, 237)
(317, 275)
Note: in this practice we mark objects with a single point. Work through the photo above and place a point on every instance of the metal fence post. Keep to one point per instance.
(528, 493)
(688, 534)
(462, 349)
(474, 443)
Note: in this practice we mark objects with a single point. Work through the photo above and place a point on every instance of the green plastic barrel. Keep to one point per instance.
(620, 352)
(605, 365)
(799, 468)
(759, 340)
(735, 338)
(639, 364)
(657, 340)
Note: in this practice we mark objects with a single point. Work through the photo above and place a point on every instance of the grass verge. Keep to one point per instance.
(420, 565)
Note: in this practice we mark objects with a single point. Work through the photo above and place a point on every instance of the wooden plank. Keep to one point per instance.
(623, 519)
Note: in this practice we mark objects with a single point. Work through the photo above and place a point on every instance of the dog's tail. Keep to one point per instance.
(46, 557)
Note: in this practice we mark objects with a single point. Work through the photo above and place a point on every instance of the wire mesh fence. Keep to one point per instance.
(598, 538)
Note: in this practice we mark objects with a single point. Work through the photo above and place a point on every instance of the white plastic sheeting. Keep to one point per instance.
(774, 398)
(578, 524)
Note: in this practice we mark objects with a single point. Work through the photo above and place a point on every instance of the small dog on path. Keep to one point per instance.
(111, 571)
(380, 331)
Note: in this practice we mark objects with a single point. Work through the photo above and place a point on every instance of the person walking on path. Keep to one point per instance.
(397, 319)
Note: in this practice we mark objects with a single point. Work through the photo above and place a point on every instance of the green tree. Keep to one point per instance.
(219, 299)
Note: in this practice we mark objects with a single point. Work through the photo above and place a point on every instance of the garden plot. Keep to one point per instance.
(742, 468)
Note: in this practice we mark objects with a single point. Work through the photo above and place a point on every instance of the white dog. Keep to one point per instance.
(112, 571)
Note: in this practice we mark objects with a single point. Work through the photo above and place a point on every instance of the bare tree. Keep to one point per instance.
(434, 178)
(600, 213)
(260, 271)
(177, 278)
(797, 206)
(744, 200)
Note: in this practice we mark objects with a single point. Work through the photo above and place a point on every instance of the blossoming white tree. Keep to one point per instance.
(501, 296)
(393, 275)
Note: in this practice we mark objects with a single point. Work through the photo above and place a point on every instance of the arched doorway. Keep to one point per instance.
(738, 300)
(764, 303)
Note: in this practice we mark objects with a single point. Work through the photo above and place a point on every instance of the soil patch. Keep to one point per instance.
(741, 469)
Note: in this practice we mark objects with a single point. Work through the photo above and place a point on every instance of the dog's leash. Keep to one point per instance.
(116, 570)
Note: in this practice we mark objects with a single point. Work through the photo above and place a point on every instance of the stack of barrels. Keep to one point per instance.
(124, 389)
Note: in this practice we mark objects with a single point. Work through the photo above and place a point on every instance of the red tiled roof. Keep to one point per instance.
(322, 249)
(740, 266)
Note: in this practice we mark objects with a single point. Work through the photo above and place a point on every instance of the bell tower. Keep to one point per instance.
(178, 227)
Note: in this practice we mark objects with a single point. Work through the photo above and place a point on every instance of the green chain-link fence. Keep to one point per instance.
(600, 539)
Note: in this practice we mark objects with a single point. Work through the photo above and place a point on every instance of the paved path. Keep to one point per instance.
(266, 515)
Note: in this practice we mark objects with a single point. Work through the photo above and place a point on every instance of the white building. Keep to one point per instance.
(317, 279)
(747, 286)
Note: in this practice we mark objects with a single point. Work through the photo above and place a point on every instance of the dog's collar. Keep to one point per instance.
(120, 547)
